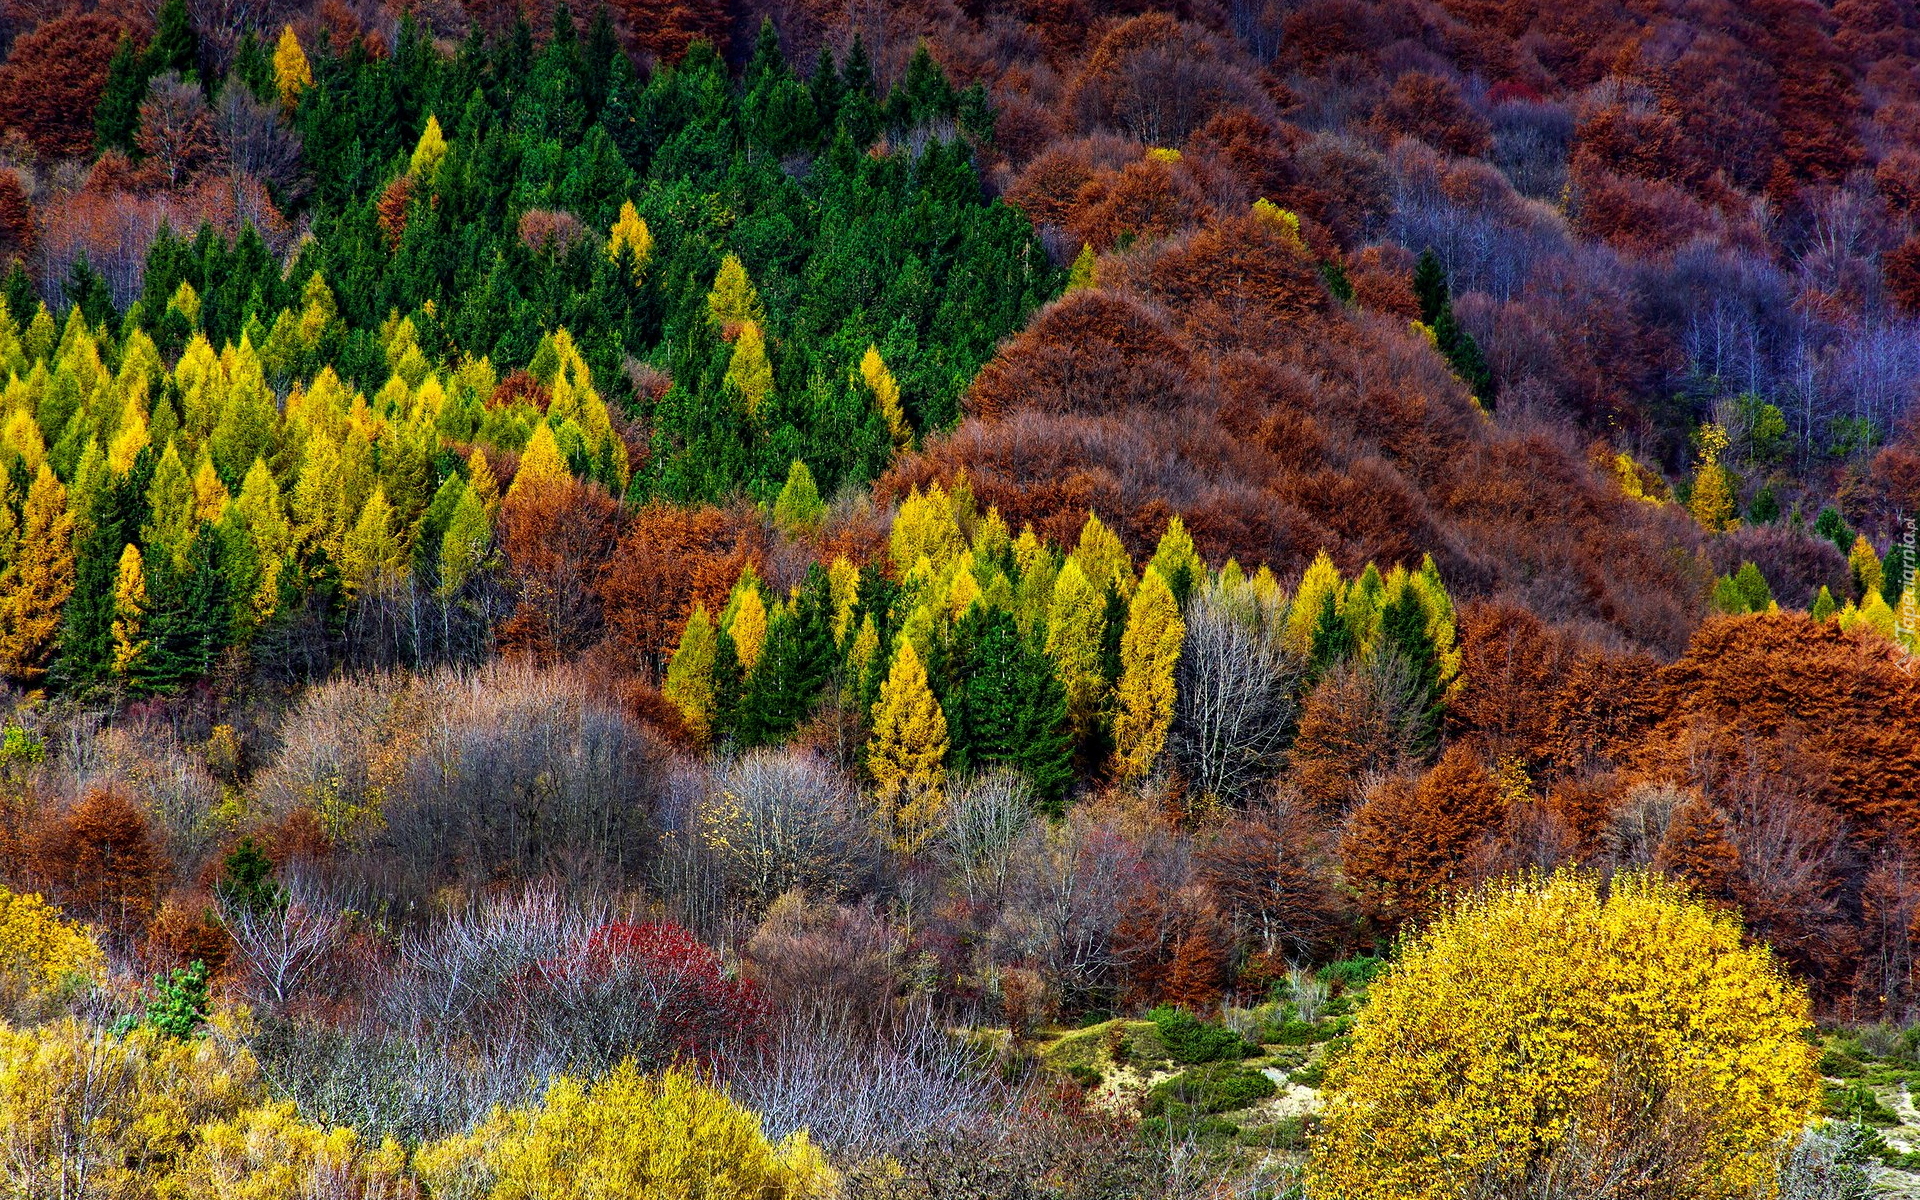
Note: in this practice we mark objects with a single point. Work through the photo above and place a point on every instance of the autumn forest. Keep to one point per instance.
(977, 599)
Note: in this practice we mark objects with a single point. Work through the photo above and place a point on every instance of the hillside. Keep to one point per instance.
(1291, 598)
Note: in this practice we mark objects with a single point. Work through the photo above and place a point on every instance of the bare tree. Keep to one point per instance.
(984, 823)
(1236, 704)
(259, 143)
(284, 946)
(176, 130)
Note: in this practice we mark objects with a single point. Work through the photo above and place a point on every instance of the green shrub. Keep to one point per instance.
(1214, 1088)
(1190, 1040)
(1298, 1033)
(1840, 1065)
(1859, 1104)
(1349, 973)
(1291, 1133)
(1085, 1076)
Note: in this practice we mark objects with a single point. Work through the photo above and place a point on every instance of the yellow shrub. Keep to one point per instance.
(268, 1153)
(1546, 1019)
(628, 1136)
(39, 951)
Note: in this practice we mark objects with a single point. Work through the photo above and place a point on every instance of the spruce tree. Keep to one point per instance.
(175, 46)
(793, 668)
(117, 117)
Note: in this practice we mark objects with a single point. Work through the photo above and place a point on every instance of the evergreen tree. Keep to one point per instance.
(1430, 287)
(793, 668)
(175, 47)
(246, 883)
(1014, 711)
(799, 511)
(117, 117)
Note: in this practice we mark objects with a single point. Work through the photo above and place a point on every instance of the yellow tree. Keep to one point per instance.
(747, 625)
(907, 754)
(749, 371)
(734, 302)
(630, 232)
(925, 527)
(171, 518)
(1103, 559)
(1322, 580)
(886, 397)
(1075, 622)
(291, 73)
(129, 612)
(1556, 1027)
(372, 556)
(1149, 651)
(541, 465)
(428, 152)
(1085, 272)
(690, 674)
(260, 508)
(39, 950)
(1712, 502)
(1865, 566)
(38, 582)
(466, 543)
(1175, 554)
(798, 511)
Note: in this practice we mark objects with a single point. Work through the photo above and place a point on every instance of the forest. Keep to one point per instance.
(980, 599)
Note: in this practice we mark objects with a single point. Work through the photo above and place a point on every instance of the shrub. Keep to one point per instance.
(39, 951)
(1349, 973)
(1214, 1088)
(626, 1135)
(1549, 1026)
(1189, 1040)
(1859, 1104)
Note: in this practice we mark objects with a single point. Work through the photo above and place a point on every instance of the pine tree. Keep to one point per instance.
(793, 668)
(799, 512)
(117, 116)
(174, 46)
(907, 754)
(292, 75)
(1149, 651)
(129, 613)
(38, 581)
(689, 683)
(1430, 286)
(1752, 586)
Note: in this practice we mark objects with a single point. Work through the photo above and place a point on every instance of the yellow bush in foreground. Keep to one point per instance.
(1550, 1032)
(84, 1113)
(628, 1136)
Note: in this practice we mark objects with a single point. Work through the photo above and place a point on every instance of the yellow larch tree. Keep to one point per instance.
(36, 585)
(748, 626)
(291, 73)
(1149, 652)
(1712, 502)
(749, 371)
(734, 301)
(886, 397)
(630, 233)
(689, 682)
(372, 556)
(907, 754)
(1075, 621)
(129, 612)
(925, 527)
(428, 152)
(541, 464)
(1103, 560)
(1322, 580)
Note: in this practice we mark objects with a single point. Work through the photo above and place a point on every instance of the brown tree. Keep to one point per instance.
(176, 130)
(555, 538)
(53, 79)
(1410, 845)
(100, 861)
